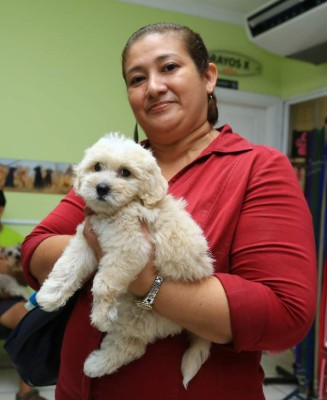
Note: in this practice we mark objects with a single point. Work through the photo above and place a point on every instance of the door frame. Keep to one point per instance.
(272, 104)
(316, 94)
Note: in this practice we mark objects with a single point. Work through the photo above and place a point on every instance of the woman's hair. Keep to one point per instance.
(194, 45)
(2, 199)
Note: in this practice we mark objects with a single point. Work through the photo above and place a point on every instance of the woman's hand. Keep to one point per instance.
(141, 286)
(200, 306)
(90, 235)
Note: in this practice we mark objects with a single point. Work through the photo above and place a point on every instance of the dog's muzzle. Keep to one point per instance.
(103, 189)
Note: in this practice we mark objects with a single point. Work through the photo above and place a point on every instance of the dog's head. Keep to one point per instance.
(116, 171)
(13, 256)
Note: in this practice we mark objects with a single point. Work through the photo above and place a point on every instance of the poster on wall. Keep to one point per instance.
(35, 176)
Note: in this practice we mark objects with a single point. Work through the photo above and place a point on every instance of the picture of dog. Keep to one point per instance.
(23, 178)
(121, 182)
(47, 181)
(38, 179)
(9, 182)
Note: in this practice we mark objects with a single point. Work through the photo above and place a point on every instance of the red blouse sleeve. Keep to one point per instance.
(63, 220)
(271, 287)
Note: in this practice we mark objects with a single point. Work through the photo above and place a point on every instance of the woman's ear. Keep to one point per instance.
(211, 76)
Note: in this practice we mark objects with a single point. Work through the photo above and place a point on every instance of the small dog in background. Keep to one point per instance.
(122, 184)
(13, 256)
(9, 286)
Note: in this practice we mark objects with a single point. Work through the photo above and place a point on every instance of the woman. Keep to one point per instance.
(248, 202)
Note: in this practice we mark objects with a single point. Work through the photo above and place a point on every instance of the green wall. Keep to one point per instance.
(61, 85)
(300, 77)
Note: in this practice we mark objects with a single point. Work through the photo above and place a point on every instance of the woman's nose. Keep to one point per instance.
(156, 84)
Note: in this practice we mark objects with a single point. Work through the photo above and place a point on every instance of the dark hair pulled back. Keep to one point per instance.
(2, 199)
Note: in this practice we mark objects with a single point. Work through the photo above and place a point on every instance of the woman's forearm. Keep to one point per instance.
(46, 254)
(201, 307)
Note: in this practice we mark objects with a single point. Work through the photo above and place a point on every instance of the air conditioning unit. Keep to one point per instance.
(291, 28)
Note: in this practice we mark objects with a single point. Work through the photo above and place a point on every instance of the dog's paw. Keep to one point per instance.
(97, 365)
(50, 301)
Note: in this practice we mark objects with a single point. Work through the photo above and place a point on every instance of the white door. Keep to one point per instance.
(256, 117)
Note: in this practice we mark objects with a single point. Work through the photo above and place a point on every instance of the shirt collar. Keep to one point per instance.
(228, 142)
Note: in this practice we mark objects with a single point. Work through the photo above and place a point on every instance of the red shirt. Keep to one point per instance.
(249, 203)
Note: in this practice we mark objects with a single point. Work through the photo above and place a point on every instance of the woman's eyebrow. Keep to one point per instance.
(160, 58)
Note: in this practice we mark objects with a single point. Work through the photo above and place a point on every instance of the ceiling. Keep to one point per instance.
(232, 11)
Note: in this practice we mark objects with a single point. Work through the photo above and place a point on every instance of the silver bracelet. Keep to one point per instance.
(147, 302)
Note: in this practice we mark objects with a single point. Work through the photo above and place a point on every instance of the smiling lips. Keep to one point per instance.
(160, 106)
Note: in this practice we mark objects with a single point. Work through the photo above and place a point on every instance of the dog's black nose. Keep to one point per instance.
(102, 190)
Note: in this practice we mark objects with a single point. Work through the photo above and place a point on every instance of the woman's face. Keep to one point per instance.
(166, 92)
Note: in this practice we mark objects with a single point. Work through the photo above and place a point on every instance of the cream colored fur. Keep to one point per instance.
(122, 183)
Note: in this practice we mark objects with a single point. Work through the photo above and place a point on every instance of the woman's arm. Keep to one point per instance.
(201, 307)
(267, 301)
(45, 244)
(45, 256)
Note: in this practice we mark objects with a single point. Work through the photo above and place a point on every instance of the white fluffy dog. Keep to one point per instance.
(122, 183)
(9, 286)
(13, 256)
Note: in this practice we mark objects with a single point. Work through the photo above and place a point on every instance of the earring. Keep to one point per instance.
(136, 133)
(212, 109)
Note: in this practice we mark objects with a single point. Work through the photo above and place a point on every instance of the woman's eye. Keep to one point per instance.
(97, 167)
(124, 172)
(170, 67)
(136, 80)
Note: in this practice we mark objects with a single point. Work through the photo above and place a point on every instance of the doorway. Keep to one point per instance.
(257, 117)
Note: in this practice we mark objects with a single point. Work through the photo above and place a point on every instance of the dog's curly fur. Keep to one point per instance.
(9, 286)
(122, 183)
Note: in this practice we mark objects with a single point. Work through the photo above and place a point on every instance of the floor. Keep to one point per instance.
(8, 379)
(283, 391)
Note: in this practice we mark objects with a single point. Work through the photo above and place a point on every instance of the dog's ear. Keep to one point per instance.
(154, 187)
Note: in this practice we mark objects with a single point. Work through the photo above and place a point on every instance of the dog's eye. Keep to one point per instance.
(97, 167)
(124, 172)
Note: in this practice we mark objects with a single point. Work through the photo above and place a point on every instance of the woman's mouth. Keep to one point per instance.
(159, 107)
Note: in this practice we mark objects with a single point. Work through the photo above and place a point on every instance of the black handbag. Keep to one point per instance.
(34, 346)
